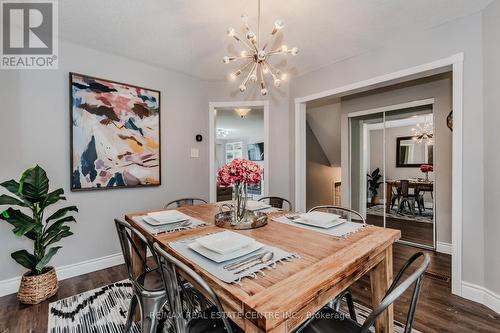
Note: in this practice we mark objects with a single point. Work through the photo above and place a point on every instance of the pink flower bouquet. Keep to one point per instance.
(426, 168)
(239, 172)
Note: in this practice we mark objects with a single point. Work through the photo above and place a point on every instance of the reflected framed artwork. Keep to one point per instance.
(115, 134)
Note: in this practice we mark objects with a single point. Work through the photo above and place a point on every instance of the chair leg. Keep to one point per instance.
(130, 314)
(350, 305)
(150, 312)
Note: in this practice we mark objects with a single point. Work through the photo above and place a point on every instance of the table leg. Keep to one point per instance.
(137, 266)
(388, 194)
(381, 279)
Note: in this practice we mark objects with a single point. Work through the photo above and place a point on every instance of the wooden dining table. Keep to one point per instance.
(293, 291)
(422, 185)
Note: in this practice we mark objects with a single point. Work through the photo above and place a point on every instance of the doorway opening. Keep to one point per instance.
(238, 130)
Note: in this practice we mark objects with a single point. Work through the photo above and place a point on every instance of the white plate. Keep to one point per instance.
(324, 225)
(256, 205)
(225, 242)
(218, 258)
(165, 217)
(319, 217)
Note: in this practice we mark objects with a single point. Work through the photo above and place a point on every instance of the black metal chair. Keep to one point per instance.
(148, 287)
(329, 320)
(211, 320)
(277, 202)
(347, 214)
(186, 202)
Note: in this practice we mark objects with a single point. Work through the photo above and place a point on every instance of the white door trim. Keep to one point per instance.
(212, 133)
(456, 62)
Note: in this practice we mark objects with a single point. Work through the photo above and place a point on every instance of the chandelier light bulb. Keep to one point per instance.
(263, 91)
(261, 55)
(243, 54)
(230, 32)
(244, 18)
(225, 59)
(253, 77)
(294, 51)
(232, 76)
(284, 48)
(283, 76)
(251, 35)
(242, 87)
(277, 83)
(278, 24)
(265, 70)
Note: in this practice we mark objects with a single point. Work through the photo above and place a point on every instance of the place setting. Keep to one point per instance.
(231, 256)
(167, 221)
(322, 222)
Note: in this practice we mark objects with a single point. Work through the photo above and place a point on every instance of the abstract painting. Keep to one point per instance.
(115, 134)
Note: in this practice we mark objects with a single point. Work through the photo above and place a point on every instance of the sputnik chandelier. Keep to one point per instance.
(423, 133)
(256, 57)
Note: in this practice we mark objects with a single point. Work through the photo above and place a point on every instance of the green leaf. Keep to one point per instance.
(23, 258)
(8, 200)
(61, 212)
(45, 260)
(56, 238)
(34, 184)
(22, 223)
(57, 227)
(11, 185)
(53, 197)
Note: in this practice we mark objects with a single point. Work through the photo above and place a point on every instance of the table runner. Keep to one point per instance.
(343, 230)
(216, 269)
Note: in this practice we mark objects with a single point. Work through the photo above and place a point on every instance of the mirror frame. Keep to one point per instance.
(398, 145)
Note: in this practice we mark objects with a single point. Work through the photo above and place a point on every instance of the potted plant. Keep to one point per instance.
(374, 184)
(32, 195)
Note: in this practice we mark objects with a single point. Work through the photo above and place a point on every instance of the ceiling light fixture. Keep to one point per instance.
(256, 56)
(242, 112)
(423, 133)
(222, 132)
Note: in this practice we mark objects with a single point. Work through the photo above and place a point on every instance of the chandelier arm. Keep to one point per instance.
(268, 66)
(273, 68)
(249, 74)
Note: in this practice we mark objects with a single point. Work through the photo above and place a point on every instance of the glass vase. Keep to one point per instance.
(240, 201)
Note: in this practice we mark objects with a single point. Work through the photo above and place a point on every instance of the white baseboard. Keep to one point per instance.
(481, 295)
(11, 286)
(442, 247)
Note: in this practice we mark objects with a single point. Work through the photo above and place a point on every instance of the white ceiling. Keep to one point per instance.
(189, 35)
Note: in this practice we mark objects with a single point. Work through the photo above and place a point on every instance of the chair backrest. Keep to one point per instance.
(171, 268)
(129, 241)
(185, 202)
(277, 202)
(397, 289)
(404, 184)
(344, 212)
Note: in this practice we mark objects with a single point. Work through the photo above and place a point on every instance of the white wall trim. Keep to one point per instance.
(443, 247)
(481, 295)
(212, 133)
(456, 61)
(10, 286)
(393, 107)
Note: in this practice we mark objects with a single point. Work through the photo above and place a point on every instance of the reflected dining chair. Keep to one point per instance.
(148, 287)
(277, 202)
(329, 320)
(211, 320)
(186, 202)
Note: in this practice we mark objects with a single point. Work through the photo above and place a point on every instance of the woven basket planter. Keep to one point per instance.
(35, 289)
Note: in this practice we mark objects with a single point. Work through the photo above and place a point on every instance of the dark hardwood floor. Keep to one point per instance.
(438, 309)
(412, 231)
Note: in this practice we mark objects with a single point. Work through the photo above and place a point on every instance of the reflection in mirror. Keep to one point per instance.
(413, 153)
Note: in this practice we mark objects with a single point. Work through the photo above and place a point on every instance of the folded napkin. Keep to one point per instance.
(217, 269)
(341, 230)
(171, 227)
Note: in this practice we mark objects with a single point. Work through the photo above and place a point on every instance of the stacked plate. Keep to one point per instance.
(165, 217)
(256, 205)
(320, 219)
(224, 246)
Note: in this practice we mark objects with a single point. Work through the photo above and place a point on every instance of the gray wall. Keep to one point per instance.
(462, 35)
(491, 38)
(34, 128)
(320, 175)
(439, 88)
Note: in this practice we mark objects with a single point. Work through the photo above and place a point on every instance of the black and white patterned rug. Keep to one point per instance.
(104, 310)
(426, 217)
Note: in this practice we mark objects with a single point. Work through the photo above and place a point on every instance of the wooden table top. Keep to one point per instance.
(325, 263)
